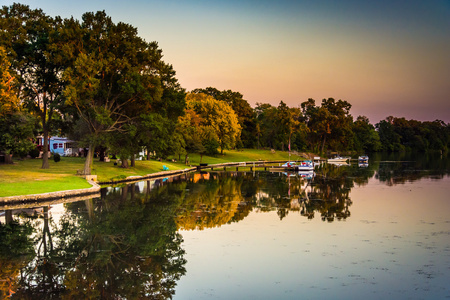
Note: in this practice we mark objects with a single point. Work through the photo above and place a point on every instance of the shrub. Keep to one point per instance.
(211, 146)
(34, 153)
(56, 157)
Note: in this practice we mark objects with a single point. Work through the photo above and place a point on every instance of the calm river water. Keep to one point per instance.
(344, 232)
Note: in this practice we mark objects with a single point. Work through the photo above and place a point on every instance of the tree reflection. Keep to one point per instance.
(398, 168)
(212, 201)
(16, 250)
(131, 248)
(124, 245)
(326, 193)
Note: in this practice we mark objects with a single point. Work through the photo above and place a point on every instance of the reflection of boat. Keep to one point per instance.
(363, 164)
(363, 159)
(306, 174)
(289, 174)
(338, 163)
(338, 158)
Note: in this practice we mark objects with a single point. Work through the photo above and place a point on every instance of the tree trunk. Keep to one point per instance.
(133, 161)
(8, 157)
(124, 163)
(46, 233)
(102, 154)
(133, 191)
(185, 159)
(124, 195)
(8, 216)
(90, 208)
(45, 164)
(323, 144)
(89, 160)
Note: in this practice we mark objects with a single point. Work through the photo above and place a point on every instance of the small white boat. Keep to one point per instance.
(289, 164)
(305, 165)
(337, 159)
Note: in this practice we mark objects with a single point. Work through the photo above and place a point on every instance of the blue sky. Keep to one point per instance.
(384, 57)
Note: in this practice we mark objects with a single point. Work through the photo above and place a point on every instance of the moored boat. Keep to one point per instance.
(338, 158)
(305, 165)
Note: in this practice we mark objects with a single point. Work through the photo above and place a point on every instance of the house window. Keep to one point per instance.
(55, 146)
(60, 145)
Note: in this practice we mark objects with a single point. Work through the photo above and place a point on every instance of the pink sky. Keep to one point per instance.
(384, 57)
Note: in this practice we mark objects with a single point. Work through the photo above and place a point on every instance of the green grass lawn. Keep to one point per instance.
(244, 155)
(26, 177)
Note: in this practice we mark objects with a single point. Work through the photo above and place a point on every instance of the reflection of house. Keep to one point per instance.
(63, 146)
(199, 176)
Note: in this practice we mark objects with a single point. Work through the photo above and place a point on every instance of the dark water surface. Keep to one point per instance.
(348, 232)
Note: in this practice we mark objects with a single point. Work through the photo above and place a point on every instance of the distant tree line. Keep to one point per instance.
(105, 87)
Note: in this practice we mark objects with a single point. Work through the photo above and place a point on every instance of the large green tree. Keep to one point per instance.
(116, 77)
(266, 125)
(366, 138)
(34, 44)
(329, 124)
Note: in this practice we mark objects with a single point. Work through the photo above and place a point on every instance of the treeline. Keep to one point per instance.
(100, 84)
(328, 127)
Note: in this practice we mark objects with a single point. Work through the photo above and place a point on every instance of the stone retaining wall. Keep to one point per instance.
(94, 191)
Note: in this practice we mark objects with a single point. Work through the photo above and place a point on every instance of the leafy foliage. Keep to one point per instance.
(35, 47)
(243, 110)
(218, 116)
(398, 134)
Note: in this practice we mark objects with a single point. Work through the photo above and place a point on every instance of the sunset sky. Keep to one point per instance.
(384, 57)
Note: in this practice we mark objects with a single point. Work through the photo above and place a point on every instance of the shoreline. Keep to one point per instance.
(94, 191)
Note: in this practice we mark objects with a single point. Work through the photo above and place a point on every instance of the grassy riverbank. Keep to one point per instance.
(26, 177)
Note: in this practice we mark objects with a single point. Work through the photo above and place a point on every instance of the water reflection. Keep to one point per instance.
(398, 168)
(124, 245)
(127, 244)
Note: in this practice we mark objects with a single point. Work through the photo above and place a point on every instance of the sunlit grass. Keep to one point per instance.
(39, 186)
(26, 177)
